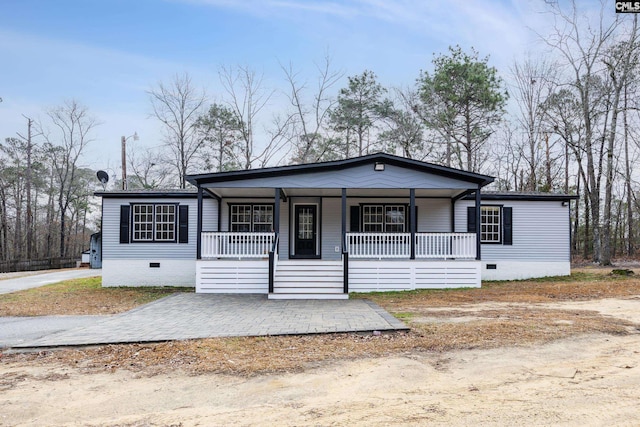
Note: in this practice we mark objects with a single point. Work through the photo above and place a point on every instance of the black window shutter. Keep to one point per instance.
(183, 224)
(471, 219)
(507, 224)
(354, 221)
(125, 213)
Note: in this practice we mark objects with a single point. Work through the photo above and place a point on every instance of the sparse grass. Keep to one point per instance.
(577, 287)
(432, 330)
(404, 316)
(79, 296)
(249, 356)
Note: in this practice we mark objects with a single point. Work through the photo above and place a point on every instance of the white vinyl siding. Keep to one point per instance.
(152, 251)
(540, 230)
(331, 228)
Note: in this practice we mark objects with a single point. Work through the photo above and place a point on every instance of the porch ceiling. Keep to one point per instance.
(261, 192)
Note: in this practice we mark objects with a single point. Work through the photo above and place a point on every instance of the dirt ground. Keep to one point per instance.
(586, 379)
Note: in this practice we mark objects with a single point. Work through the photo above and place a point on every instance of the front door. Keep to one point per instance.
(306, 237)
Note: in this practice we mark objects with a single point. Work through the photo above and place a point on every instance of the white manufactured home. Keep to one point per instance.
(371, 223)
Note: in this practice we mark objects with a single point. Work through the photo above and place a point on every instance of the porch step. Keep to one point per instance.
(302, 288)
(298, 264)
(308, 279)
(340, 296)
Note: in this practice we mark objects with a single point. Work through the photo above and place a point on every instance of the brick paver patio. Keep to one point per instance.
(190, 316)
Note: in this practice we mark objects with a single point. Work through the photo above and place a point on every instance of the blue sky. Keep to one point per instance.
(107, 53)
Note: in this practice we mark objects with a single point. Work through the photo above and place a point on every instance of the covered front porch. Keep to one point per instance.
(251, 263)
(374, 223)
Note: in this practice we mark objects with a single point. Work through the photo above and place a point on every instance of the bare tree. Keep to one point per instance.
(72, 126)
(311, 137)
(534, 81)
(507, 159)
(620, 60)
(149, 169)
(247, 98)
(177, 105)
(581, 45)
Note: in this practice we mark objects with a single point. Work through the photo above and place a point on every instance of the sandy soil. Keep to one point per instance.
(593, 380)
(586, 380)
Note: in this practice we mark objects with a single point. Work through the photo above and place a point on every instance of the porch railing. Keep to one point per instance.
(378, 245)
(398, 245)
(227, 244)
(445, 245)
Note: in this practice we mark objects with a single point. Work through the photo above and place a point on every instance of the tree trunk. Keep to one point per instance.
(627, 177)
(29, 215)
(4, 235)
(587, 223)
(62, 228)
(576, 221)
(50, 216)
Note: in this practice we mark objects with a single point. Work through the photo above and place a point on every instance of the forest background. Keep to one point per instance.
(566, 122)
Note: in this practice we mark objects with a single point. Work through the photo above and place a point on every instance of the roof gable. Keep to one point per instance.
(357, 172)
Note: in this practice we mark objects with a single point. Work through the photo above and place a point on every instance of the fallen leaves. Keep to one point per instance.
(430, 315)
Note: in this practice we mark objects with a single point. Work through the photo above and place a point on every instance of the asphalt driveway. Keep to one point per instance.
(34, 280)
(189, 316)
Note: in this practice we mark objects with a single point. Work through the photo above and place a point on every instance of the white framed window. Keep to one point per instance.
(153, 222)
(394, 218)
(384, 218)
(490, 224)
(262, 218)
(251, 218)
(165, 223)
(240, 218)
(372, 218)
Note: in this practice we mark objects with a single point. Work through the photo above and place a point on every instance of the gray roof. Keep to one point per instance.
(290, 170)
(150, 192)
(524, 195)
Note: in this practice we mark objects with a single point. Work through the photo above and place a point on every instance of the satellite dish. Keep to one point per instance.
(103, 177)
